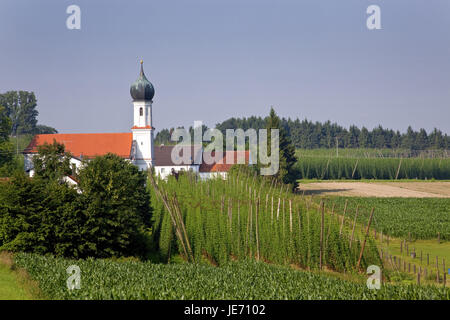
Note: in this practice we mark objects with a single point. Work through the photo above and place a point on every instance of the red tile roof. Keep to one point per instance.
(87, 145)
(224, 166)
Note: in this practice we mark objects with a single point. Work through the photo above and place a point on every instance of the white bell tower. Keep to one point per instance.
(142, 92)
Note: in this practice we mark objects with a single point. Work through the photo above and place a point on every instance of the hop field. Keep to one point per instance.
(373, 168)
(249, 217)
(420, 218)
(103, 279)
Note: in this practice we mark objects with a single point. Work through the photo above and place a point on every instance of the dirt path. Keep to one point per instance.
(379, 189)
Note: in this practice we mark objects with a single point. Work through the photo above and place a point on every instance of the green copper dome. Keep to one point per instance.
(142, 89)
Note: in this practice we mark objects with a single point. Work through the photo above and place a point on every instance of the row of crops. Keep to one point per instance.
(372, 153)
(247, 216)
(374, 168)
(417, 218)
(103, 279)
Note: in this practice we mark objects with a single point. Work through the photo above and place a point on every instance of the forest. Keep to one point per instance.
(306, 134)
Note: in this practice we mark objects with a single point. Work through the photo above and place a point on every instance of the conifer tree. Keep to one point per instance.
(286, 172)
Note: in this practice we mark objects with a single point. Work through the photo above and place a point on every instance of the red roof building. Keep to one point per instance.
(87, 145)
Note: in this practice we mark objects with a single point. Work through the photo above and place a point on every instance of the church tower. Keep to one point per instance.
(142, 92)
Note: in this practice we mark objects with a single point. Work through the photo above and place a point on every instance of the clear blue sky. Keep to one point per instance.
(214, 59)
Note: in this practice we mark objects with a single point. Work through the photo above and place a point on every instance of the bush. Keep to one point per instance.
(117, 208)
(108, 216)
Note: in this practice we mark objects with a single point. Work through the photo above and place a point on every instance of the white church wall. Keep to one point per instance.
(165, 171)
(144, 150)
(28, 163)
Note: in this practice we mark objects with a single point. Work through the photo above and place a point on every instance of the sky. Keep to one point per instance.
(210, 60)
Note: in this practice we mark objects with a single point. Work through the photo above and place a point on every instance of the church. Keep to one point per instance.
(136, 146)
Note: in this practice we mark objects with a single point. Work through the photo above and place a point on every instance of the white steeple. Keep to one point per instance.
(142, 92)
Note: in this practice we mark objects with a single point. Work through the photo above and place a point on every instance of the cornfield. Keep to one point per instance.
(104, 279)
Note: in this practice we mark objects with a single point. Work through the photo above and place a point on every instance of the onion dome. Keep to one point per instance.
(142, 89)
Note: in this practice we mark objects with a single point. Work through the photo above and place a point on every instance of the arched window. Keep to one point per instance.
(141, 112)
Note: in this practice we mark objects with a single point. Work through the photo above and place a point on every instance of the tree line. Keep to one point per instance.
(307, 134)
(18, 118)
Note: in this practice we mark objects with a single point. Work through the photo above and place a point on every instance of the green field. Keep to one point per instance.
(250, 238)
(103, 279)
(426, 253)
(248, 217)
(372, 153)
(10, 286)
(401, 217)
(372, 168)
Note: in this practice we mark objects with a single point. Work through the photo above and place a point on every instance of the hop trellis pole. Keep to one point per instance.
(343, 216)
(322, 221)
(365, 239)
(175, 215)
(354, 226)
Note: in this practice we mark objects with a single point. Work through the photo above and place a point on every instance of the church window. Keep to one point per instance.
(141, 112)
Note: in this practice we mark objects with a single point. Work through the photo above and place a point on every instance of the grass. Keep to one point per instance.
(430, 247)
(14, 283)
(10, 289)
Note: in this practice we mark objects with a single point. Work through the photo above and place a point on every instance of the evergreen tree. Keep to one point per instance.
(286, 172)
(422, 140)
(308, 135)
(436, 139)
(408, 140)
